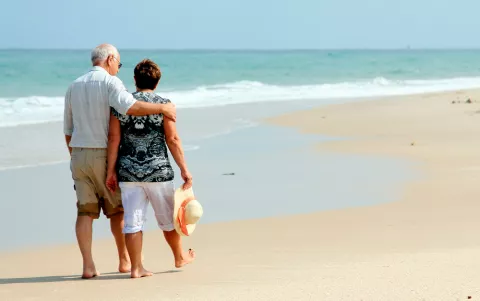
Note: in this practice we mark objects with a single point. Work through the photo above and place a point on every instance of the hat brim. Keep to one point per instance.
(180, 196)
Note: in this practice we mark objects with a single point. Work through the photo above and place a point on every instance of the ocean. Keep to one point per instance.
(33, 82)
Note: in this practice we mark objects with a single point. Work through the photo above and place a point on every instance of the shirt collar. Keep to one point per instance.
(98, 68)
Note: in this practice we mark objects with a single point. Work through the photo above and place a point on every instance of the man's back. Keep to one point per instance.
(87, 105)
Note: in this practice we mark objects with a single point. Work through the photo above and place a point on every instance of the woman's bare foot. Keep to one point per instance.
(89, 273)
(140, 272)
(187, 258)
(124, 266)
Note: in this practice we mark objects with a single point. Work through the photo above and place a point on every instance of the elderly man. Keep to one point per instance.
(87, 112)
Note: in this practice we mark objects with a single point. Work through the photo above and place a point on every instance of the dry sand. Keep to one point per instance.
(424, 246)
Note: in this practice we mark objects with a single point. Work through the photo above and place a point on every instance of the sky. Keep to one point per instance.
(246, 24)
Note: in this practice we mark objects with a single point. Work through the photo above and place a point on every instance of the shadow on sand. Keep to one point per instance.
(45, 279)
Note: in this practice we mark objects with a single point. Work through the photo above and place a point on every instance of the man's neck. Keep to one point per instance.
(101, 66)
(145, 90)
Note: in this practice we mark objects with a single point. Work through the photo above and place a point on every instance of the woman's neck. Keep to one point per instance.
(145, 90)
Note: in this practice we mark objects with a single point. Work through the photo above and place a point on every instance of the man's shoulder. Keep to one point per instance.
(111, 79)
(97, 76)
(84, 76)
(78, 80)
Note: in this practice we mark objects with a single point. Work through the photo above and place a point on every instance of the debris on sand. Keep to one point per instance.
(469, 100)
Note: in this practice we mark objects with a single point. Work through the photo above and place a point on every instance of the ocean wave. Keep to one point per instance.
(190, 148)
(30, 110)
(238, 124)
(39, 109)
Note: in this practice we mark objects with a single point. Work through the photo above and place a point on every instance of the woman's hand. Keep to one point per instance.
(187, 179)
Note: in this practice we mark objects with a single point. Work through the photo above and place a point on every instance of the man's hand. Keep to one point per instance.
(67, 140)
(143, 108)
(111, 182)
(170, 111)
(187, 178)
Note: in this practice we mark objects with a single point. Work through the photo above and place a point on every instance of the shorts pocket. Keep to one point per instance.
(75, 168)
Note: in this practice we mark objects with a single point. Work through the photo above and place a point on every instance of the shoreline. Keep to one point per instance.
(51, 148)
(222, 166)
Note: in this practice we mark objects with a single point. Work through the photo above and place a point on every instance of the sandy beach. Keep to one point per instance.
(420, 245)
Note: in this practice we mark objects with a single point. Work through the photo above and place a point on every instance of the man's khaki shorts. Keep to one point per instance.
(89, 172)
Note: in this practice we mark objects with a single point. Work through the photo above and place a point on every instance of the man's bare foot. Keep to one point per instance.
(124, 266)
(141, 272)
(187, 258)
(89, 273)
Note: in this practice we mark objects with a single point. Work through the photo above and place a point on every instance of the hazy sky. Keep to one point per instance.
(250, 24)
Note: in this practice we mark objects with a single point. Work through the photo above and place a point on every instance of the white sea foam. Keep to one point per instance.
(9, 167)
(238, 124)
(189, 148)
(38, 109)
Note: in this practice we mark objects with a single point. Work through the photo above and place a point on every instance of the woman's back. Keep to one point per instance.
(143, 156)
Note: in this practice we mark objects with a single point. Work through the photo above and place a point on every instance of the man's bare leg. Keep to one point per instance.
(134, 246)
(174, 241)
(83, 229)
(116, 225)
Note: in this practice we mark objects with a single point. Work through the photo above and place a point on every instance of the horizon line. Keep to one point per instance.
(252, 49)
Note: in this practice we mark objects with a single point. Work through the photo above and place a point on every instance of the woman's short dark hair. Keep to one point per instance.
(147, 74)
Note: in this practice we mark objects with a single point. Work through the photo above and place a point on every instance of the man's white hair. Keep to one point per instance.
(101, 53)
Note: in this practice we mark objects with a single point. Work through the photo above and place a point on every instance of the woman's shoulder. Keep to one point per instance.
(150, 97)
(159, 99)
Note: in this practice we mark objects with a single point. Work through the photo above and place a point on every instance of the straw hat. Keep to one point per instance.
(186, 211)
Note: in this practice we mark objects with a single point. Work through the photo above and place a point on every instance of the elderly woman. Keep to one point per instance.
(137, 155)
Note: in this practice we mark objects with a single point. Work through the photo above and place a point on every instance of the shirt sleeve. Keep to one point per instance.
(67, 115)
(118, 96)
